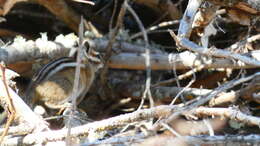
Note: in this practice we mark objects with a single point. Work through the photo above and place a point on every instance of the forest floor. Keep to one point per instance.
(172, 72)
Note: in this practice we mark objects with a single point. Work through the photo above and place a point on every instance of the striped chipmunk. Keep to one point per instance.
(53, 84)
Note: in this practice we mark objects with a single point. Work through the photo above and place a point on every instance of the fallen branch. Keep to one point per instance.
(9, 101)
(184, 140)
(84, 130)
(168, 93)
(184, 60)
(22, 50)
(226, 139)
(23, 113)
(119, 140)
(203, 99)
(185, 43)
(252, 139)
(231, 113)
(184, 32)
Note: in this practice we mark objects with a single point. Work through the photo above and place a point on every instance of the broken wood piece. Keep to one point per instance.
(23, 113)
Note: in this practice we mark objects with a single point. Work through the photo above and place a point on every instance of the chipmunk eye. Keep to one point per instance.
(86, 47)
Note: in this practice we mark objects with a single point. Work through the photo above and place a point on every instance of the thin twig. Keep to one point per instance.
(130, 56)
(11, 109)
(113, 15)
(180, 77)
(124, 140)
(203, 99)
(23, 113)
(231, 113)
(185, 88)
(178, 84)
(147, 91)
(108, 50)
(171, 129)
(98, 126)
(152, 28)
(74, 96)
(185, 43)
(85, 2)
(184, 33)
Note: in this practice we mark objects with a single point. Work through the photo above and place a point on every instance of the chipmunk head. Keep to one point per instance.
(93, 56)
(88, 55)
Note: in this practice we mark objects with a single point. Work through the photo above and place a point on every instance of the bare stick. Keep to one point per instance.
(23, 113)
(180, 77)
(75, 89)
(111, 123)
(185, 43)
(151, 29)
(11, 109)
(184, 33)
(119, 140)
(231, 113)
(108, 49)
(162, 61)
(85, 2)
(202, 100)
(130, 57)
(147, 91)
(185, 27)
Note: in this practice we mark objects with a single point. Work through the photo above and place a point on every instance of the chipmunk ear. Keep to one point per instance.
(73, 52)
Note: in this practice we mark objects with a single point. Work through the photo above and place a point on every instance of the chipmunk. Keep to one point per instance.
(53, 84)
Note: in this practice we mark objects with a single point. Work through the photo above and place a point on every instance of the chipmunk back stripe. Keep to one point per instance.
(51, 67)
